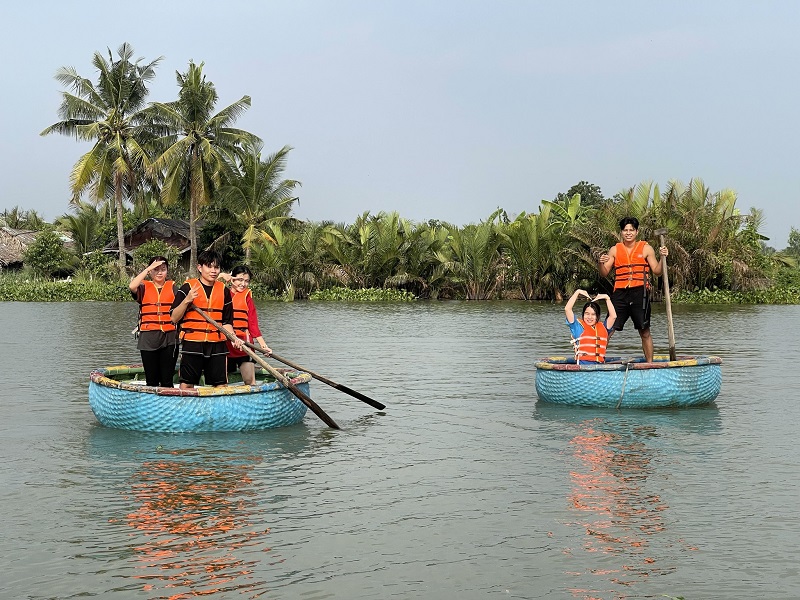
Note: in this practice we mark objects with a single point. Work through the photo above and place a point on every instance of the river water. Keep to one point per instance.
(464, 487)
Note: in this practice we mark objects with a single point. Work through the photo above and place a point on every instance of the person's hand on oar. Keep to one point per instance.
(266, 349)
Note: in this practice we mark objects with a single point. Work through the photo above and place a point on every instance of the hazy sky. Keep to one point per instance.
(445, 109)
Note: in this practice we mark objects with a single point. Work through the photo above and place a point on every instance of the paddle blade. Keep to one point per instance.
(360, 396)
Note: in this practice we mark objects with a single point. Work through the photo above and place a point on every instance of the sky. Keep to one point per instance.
(443, 110)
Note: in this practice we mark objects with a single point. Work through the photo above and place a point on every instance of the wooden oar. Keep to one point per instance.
(333, 384)
(304, 398)
(670, 329)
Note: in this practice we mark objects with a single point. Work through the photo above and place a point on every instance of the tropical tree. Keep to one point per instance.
(83, 226)
(473, 260)
(17, 218)
(294, 262)
(111, 115)
(200, 149)
(258, 197)
(591, 194)
(536, 249)
(418, 270)
(369, 251)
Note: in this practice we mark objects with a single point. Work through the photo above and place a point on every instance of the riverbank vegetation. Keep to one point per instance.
(184, 160)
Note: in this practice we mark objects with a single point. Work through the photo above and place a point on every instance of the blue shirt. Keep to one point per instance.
(577, 329)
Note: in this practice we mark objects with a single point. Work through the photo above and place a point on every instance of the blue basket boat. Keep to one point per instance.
(630, 383)
(120, 399)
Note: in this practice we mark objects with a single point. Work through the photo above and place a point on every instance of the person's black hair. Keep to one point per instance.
(155, 258)
(628, 221)
(593, 305)
(209, 258)
(241, 269)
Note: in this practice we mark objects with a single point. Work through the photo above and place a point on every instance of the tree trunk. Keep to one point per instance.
(193, 236)
(120, 228)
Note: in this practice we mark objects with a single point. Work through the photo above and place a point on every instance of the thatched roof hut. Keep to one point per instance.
(13, 243)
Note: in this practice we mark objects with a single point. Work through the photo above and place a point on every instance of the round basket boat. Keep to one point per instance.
(119, 398)
(631, 382)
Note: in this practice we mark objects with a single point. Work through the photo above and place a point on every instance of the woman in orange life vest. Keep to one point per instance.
(245, 323)
(589, 335)
(632, 261)
(203, 351)
(157, 333)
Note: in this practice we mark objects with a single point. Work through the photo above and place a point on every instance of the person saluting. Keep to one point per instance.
(632, 260)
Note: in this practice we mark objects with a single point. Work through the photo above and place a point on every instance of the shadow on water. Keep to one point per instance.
(618, 463)
(199, 508)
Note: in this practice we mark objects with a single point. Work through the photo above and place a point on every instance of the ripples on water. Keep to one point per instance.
(465, 487)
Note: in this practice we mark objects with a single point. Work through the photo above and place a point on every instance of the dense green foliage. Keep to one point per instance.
(184, 159)
(363, 295)
(47, 257)
(21, 289)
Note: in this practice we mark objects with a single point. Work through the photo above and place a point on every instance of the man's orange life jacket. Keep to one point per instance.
(240, 323)
(154, 310)
(591, 345)
(193, 327)
(631, 268)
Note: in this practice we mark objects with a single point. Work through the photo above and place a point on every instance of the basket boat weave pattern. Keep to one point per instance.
(124, 405)
(688, 381)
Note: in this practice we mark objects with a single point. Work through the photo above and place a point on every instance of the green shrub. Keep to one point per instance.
(774, 295)
(47, 257)
(363, 295)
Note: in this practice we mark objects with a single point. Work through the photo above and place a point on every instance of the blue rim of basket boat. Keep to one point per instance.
(617, 363)
(104, 376)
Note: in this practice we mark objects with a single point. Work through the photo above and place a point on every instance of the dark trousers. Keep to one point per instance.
(159, 365)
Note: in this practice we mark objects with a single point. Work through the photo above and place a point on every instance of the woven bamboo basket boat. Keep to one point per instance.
(120, 399)
(630, 383)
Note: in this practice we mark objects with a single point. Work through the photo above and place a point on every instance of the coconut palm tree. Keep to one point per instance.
(199, 148)
(83, 226)
(111, 115)
(257, 197)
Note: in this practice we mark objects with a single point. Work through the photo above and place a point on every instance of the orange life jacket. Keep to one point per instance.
(591, 345)
(631, 268)
(240, 322)
(154, 309)
(193, 327)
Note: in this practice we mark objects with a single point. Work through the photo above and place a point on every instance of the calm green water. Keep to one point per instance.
(465, 487)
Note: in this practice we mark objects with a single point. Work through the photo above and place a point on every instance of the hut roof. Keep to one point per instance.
(13, 243)
(174, 232)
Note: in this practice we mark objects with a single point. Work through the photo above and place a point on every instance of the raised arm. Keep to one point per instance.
(571, 302)
(137, 281)
(612, 313)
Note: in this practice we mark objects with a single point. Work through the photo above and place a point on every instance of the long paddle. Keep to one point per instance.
(276, 374)
(670, 328)
(333, 384)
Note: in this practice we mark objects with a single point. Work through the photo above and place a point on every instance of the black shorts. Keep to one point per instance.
(235, 362)
(204, 358)
(634, 303)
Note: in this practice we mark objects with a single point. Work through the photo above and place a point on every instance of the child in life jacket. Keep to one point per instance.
(589, 334)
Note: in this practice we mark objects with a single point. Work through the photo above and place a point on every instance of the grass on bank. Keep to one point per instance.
(20, 287)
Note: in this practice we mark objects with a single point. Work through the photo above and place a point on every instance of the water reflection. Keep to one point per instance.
(198, 511)
(619, 462)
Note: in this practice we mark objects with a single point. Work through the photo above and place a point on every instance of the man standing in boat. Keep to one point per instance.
(632, 261)
(203, 349)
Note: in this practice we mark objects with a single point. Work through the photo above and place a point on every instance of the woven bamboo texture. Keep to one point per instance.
(125, 405)
(630, 383)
